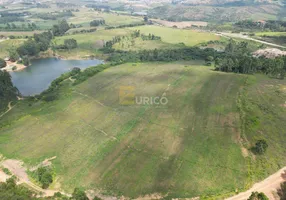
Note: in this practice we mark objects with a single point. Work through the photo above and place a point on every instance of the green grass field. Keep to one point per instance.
(196, 145)
(89, 43)
(85, 16)
(5, 45)
(175, 36)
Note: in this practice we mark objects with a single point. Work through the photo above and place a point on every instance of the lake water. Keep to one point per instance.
(37, 77)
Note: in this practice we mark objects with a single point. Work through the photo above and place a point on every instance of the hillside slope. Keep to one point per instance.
(196, 144)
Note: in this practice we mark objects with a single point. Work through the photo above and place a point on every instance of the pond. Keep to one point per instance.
(37, 77)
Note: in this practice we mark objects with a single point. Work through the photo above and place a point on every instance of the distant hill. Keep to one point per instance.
(228, 2)
(222, 12)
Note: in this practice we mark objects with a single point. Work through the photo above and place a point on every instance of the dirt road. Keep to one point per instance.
(238, 35)
(9, 108)
(17, 169)
(267, 186)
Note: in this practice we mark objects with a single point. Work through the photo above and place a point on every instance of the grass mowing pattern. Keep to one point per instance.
(190, 147)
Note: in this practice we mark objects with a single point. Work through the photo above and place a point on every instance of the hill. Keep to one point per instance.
(195, 145)
(215, 13)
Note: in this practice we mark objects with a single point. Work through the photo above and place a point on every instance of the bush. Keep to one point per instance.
(258, 196)
(44, 176)
(79, 194)
(70, 43)
(260, 147)
(75, 71)
(2, 63)
(26, 61)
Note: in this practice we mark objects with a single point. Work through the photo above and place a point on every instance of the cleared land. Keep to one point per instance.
(85, 16)
(175, 36)
(89, 43)
(184, 24)
(195, 145)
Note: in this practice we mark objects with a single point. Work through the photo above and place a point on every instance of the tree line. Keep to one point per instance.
(54, 15)
(238, 59)
(97, 22)
(187, 53)
(22, 27)
(41, 42)
(9, 190)
(7, 91)
(270, 25)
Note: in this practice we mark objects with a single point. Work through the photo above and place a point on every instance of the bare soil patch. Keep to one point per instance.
(184, 24)
(268, 186)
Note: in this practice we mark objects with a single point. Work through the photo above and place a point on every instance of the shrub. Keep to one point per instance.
(258, 196)
(26, 61)
(79, 194)
(70, 43)
(2, 63)
(260, 147)
(75, 71)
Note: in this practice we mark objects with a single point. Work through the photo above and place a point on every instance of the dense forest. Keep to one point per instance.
(8, 92)
(237, 58)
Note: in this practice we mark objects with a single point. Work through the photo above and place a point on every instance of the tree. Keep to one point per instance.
(79, 194)
(7, 91)
(209, 59)
(61, 28)
(29, 48)
(145, 19)
(260, 147)
(14, 26)
(13, 54)
(26, 61)
(64, 26)
(97, 22)
(46, 179)
(75, 71)
(11, 191)
(44, 176)
(70, 43)
(230, 47)
(2, 63)
(258, 196)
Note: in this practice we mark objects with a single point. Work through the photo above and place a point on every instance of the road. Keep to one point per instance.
(267, 186)
(17, 169)
(9, 108)
(245, 37)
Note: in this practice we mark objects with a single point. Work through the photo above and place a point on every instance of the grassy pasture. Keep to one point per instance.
(89, 43)
(5, 45)
(85, 16)
(171, 38)
(175, 36)
(18, 33)
(189, 147)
